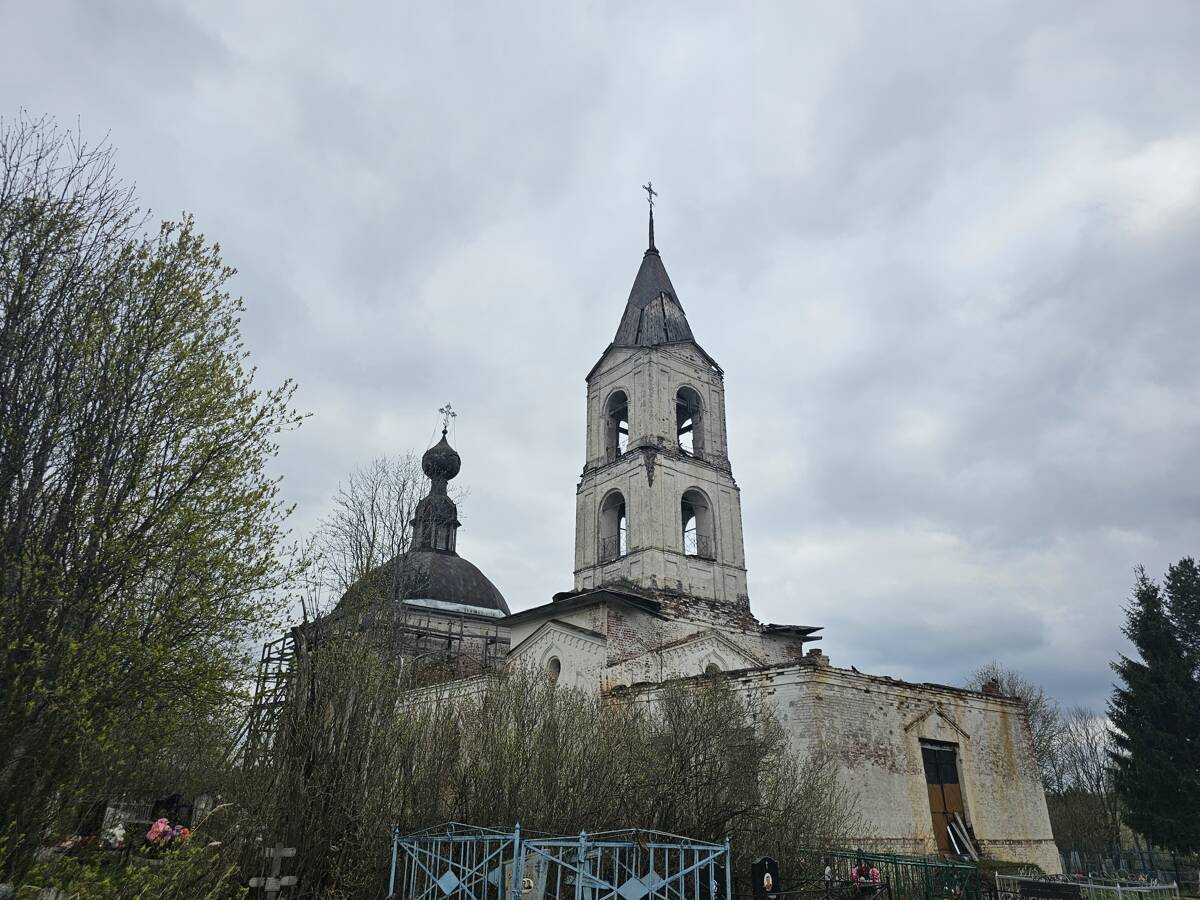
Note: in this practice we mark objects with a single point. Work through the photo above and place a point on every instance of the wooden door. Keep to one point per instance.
(945, 792)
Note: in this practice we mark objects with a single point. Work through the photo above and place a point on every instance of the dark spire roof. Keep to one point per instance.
(653, 314)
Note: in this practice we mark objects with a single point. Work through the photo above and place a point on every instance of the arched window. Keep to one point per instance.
(696, 516)
(689, 417)
(616, 425)
(712, 669)
(614, 530)
(553, 668)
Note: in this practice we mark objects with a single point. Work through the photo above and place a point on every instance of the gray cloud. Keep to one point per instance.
(945, 254)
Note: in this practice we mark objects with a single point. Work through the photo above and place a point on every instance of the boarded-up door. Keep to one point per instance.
(945, 793)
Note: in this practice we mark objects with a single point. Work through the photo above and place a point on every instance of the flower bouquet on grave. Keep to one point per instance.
(163, 836)
(113, 837)
(867, 877)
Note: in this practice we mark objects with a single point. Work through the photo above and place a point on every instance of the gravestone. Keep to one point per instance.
(764, 873)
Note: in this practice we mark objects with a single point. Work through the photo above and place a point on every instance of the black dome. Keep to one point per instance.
(441, 460)
(451, 579)
(428, 575)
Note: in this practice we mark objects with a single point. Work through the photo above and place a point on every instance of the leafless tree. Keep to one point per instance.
(1045, 717)
(1084, 806)
(1072, 752)
(371, 521)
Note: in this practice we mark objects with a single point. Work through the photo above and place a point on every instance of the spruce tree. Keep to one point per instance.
(1155, 709)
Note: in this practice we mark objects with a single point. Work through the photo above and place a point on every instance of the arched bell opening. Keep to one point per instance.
(616, 425)
(689, 419)
(696, 516)
(614, 528)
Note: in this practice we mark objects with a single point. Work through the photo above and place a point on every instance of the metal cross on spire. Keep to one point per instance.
(651, 193)
(448, 413)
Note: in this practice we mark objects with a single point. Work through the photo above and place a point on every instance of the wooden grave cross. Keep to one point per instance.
(272, 884)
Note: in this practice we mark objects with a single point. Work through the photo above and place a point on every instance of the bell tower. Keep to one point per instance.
(657, 508)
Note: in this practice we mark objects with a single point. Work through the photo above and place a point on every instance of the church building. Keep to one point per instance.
(660, 593)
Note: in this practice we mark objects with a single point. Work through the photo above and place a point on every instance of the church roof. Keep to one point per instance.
(424, 574)
(450, 578)
(565, 601)
(653, 314)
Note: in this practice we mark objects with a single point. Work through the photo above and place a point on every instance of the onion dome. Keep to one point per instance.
(441, 461)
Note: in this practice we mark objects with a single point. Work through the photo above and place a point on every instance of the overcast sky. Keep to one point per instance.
(947, 255)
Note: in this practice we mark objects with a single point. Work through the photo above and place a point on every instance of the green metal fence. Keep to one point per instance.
(909, 877)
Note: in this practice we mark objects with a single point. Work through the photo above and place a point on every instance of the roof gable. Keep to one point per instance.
(572, 634)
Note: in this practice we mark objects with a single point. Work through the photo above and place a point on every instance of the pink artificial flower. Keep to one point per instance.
(159, 830)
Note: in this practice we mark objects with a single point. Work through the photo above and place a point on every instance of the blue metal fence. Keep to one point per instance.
(461, 862)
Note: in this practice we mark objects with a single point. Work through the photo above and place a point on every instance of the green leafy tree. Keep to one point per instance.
(1155, 710)
(138, 526)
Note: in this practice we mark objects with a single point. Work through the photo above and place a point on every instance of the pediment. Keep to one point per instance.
(713, 645)
(927, 720)
(561, 634)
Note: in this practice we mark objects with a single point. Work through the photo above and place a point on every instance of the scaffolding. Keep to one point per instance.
(270, 694)
(435, 645)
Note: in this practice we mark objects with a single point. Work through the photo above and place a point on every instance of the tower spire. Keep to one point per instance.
(651, 193)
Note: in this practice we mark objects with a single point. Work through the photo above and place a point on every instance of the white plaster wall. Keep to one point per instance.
(875, 726)
(580, 656)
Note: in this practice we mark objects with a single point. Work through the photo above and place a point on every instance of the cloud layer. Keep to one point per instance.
(945, 253)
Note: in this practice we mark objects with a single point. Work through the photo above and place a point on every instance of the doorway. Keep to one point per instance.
(945, 792)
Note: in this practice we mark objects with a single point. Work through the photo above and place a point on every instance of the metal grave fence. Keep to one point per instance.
(461, 862)
(1012, 887)
(908, 877)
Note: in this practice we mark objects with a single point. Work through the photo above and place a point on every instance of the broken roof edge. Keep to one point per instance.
(804, 630)
(811, 665)
(887, 680)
